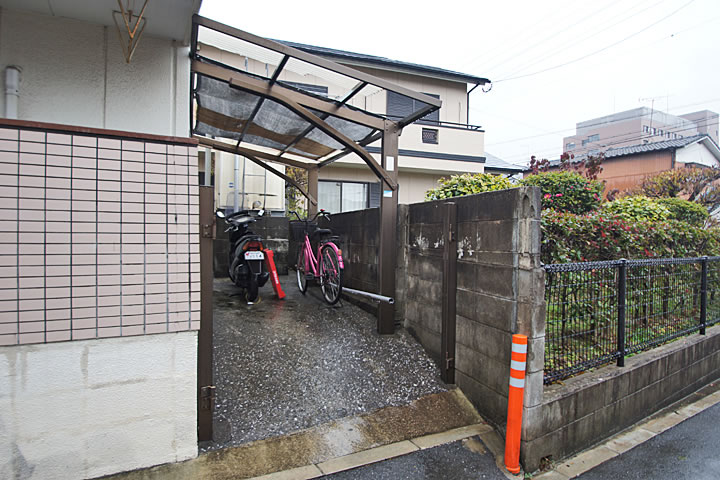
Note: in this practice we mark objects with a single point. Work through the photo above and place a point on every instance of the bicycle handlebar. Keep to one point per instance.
(321, 212)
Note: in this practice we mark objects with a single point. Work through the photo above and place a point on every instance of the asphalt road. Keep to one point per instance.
(690, 450)
(463, 460)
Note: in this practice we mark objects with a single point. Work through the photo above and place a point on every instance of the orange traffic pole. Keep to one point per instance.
(518, 360)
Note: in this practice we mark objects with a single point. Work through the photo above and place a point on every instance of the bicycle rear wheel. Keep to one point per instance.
(330, 275)
(301, 270)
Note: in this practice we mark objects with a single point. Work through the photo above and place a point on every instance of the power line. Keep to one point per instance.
(642, 136)
(536, 44)
(596, 51)
(575, 43)
(591, 124)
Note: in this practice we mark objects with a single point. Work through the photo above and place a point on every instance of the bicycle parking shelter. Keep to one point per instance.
(273, 120)
(263, 111)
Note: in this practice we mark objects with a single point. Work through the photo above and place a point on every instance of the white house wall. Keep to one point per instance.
(697, 154)
(85, 409)
(74, 73)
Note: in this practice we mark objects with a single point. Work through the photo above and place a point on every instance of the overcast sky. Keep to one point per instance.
(620, 54)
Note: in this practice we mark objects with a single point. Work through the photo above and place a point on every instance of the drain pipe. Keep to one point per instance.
(374, 296)
(12, 91)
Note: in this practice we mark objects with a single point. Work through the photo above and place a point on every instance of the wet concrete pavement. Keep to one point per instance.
(286, 365)
(462, 460)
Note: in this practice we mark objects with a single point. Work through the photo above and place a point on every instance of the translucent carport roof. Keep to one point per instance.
(271, 102)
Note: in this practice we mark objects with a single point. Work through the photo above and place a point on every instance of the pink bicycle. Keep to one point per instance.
(326, 266)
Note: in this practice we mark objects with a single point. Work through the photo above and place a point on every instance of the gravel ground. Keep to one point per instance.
(286, 365)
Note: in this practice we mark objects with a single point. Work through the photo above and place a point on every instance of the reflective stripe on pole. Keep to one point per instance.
(518, 359)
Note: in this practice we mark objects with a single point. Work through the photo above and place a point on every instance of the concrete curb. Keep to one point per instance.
(636, 435)
(378, 454)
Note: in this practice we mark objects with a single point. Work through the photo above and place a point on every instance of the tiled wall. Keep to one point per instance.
(98, 237)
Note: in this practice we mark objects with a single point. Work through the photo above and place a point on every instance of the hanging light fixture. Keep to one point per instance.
(130, 26)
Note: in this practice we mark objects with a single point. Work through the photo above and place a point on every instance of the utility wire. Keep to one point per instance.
(577, 42)
(634, 137)
(565, 130)
(596, 51)
(535, 44)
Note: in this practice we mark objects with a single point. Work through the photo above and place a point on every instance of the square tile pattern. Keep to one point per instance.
(99, 237)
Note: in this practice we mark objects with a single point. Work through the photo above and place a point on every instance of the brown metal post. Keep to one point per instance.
(388, 230)
(206, 386)
(313, 190)
(449, 287)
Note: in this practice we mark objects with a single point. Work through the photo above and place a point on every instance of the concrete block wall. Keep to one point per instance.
(499, 291)
(275, 233)
(587, 408)
(359, 234)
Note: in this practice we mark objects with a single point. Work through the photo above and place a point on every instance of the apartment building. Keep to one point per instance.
(638, 126)
(439, 145)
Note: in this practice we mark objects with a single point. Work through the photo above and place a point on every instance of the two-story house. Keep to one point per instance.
(442, 144)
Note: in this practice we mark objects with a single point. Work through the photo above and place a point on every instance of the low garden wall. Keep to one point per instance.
(587, 408)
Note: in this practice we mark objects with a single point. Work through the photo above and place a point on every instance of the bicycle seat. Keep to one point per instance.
(321, 231)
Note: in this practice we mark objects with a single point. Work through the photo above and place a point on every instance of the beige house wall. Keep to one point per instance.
(417, 173)
(74, 73)
(413, 185)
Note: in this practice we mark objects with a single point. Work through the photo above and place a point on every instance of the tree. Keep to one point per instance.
(696, 184)
(294, 200)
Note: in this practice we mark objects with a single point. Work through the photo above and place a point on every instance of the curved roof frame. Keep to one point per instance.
(268, 118)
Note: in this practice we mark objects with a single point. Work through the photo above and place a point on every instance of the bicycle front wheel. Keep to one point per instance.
(301, 270)
(330, 275)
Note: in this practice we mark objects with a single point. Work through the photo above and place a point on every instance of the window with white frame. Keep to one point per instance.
(339, 196)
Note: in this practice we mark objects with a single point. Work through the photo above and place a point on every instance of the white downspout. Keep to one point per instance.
(12, 91)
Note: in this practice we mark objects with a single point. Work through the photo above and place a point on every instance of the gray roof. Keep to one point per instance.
(361, 58)
(672, 144)
(494, 163)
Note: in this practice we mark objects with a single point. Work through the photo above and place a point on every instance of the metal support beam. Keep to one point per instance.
(268, 89)
(313, 190)
(304, 113)
(449, 287)
(250, 155)
(224, 146)
(206, 385)
(388, 230)
(315, 60)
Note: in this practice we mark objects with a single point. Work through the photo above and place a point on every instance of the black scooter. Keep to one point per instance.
(246, 256)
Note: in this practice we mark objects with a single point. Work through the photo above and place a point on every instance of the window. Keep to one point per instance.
(316, 89)
(594, 138)
(400, 106)
(570, 146)
(661, 132)
(336, 197)
(430, 135)
(646, 129)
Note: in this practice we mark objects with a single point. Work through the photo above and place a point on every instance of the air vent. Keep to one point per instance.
(430, 135)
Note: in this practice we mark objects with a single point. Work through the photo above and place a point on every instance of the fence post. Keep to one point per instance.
(703, 296)
(621, 292)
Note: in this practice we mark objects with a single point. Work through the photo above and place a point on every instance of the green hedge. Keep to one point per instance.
(567, 191)
(467, 184)
(602, 236)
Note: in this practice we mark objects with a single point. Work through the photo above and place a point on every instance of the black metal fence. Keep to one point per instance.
(599, 312)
